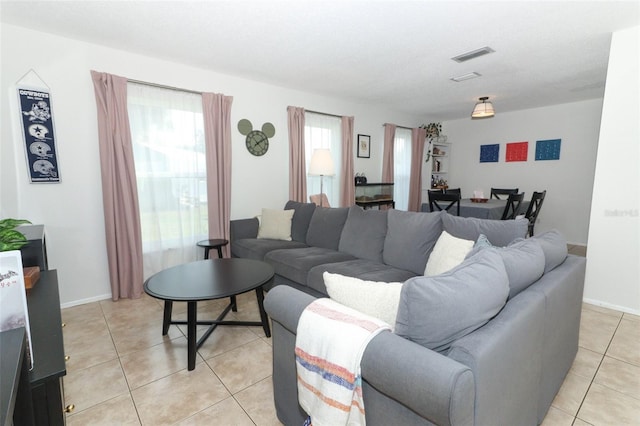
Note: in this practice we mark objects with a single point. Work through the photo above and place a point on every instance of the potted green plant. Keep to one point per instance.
(10, 237)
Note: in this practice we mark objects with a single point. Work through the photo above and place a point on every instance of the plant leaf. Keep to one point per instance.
(11, 223)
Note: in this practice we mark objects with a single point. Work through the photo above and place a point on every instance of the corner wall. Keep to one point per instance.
(568, 181)
(613, 256)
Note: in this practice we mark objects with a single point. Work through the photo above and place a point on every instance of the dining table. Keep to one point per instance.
(489, 209)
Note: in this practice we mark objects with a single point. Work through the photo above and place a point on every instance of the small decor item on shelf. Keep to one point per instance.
(440, 184)
(360, 179)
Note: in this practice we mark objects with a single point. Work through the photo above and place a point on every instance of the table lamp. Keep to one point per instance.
(321, 165)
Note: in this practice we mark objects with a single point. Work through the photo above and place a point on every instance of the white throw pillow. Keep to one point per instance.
(275, 224)
(377, 299)
(448, 253)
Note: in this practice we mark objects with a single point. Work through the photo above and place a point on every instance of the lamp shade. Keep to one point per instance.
(483, 109)
(321, 163)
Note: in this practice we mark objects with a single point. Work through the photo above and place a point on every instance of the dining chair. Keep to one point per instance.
(441, 201)
(452, 191)
(320, 200)
(534, 209)
(513, 206)
(497, 192)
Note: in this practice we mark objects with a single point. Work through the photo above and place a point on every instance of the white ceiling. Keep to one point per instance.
(395, 53)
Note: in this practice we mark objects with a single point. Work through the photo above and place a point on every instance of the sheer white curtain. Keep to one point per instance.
(167, 132)
(401, 168)
(324, 132)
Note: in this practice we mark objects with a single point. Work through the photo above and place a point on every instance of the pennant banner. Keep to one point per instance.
(39, 135)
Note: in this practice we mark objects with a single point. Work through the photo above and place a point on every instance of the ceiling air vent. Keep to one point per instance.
(464, 77)
(473, 54)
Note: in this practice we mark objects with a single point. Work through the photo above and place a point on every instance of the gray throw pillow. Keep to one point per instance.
(410, 239)
(554, 246)
(363, 233)
(499, 232)
(436, 311)
(326, 226)
(523, 260)
(301, 219)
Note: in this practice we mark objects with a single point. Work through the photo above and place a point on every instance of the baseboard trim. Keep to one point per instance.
(611, 306)
(84, 301)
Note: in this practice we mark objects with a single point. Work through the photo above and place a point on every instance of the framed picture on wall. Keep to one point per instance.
(364, 146)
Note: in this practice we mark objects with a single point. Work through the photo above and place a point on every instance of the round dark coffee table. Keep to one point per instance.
(207, 280)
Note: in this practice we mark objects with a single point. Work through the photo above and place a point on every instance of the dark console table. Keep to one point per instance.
(48, 350)
(36, 396)
(15, 390)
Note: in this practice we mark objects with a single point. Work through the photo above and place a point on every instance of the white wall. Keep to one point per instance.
(72, 210)
(568, 181)
(613, 268)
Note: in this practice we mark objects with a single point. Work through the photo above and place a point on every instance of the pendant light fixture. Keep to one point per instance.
(483, 109)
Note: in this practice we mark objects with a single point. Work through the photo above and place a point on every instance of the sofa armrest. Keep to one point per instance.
(431, 385)
(285, 304)
(243, 228)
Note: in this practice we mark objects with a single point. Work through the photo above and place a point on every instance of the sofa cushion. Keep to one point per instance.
(499, 232)
(410, 239)
(554, 246)
(295, 264)
(301, 219)
(275, 224)
(364, 233)
(523, 260)
(325, 227)
(252, 248)
(358, 268)
(374, 298)
(448, 253)
(435, 311)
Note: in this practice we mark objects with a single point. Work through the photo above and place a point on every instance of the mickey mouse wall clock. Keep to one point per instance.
(257, 141)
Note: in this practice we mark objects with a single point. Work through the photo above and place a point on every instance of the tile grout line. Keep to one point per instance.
(596, 372)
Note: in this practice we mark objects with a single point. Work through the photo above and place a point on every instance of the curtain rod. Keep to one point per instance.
(402, 127)
(322, 113)
(163, 86)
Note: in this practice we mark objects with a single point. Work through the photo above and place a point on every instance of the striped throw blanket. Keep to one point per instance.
(330, 341)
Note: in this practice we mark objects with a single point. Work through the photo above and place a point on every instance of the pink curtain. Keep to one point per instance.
(216, 110)
(297, 168)
(119, 191)
(348, 191)
(418, 136)
(387, 154)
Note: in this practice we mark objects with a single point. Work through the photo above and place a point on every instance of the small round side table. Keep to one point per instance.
(210, 244)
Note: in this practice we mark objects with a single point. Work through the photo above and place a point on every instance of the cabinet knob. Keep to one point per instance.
(64, 324)
(67, 357)
(69, 408)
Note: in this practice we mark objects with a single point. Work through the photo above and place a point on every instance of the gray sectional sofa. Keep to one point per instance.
(487, 343)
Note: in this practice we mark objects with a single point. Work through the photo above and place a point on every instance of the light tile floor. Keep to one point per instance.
(123, 371)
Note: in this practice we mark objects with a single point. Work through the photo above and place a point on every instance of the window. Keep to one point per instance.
(324, 132)
(167, 132)
(401, 168)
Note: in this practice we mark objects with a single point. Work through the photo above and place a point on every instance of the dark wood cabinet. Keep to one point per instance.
(48, 351)
(35, 397)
